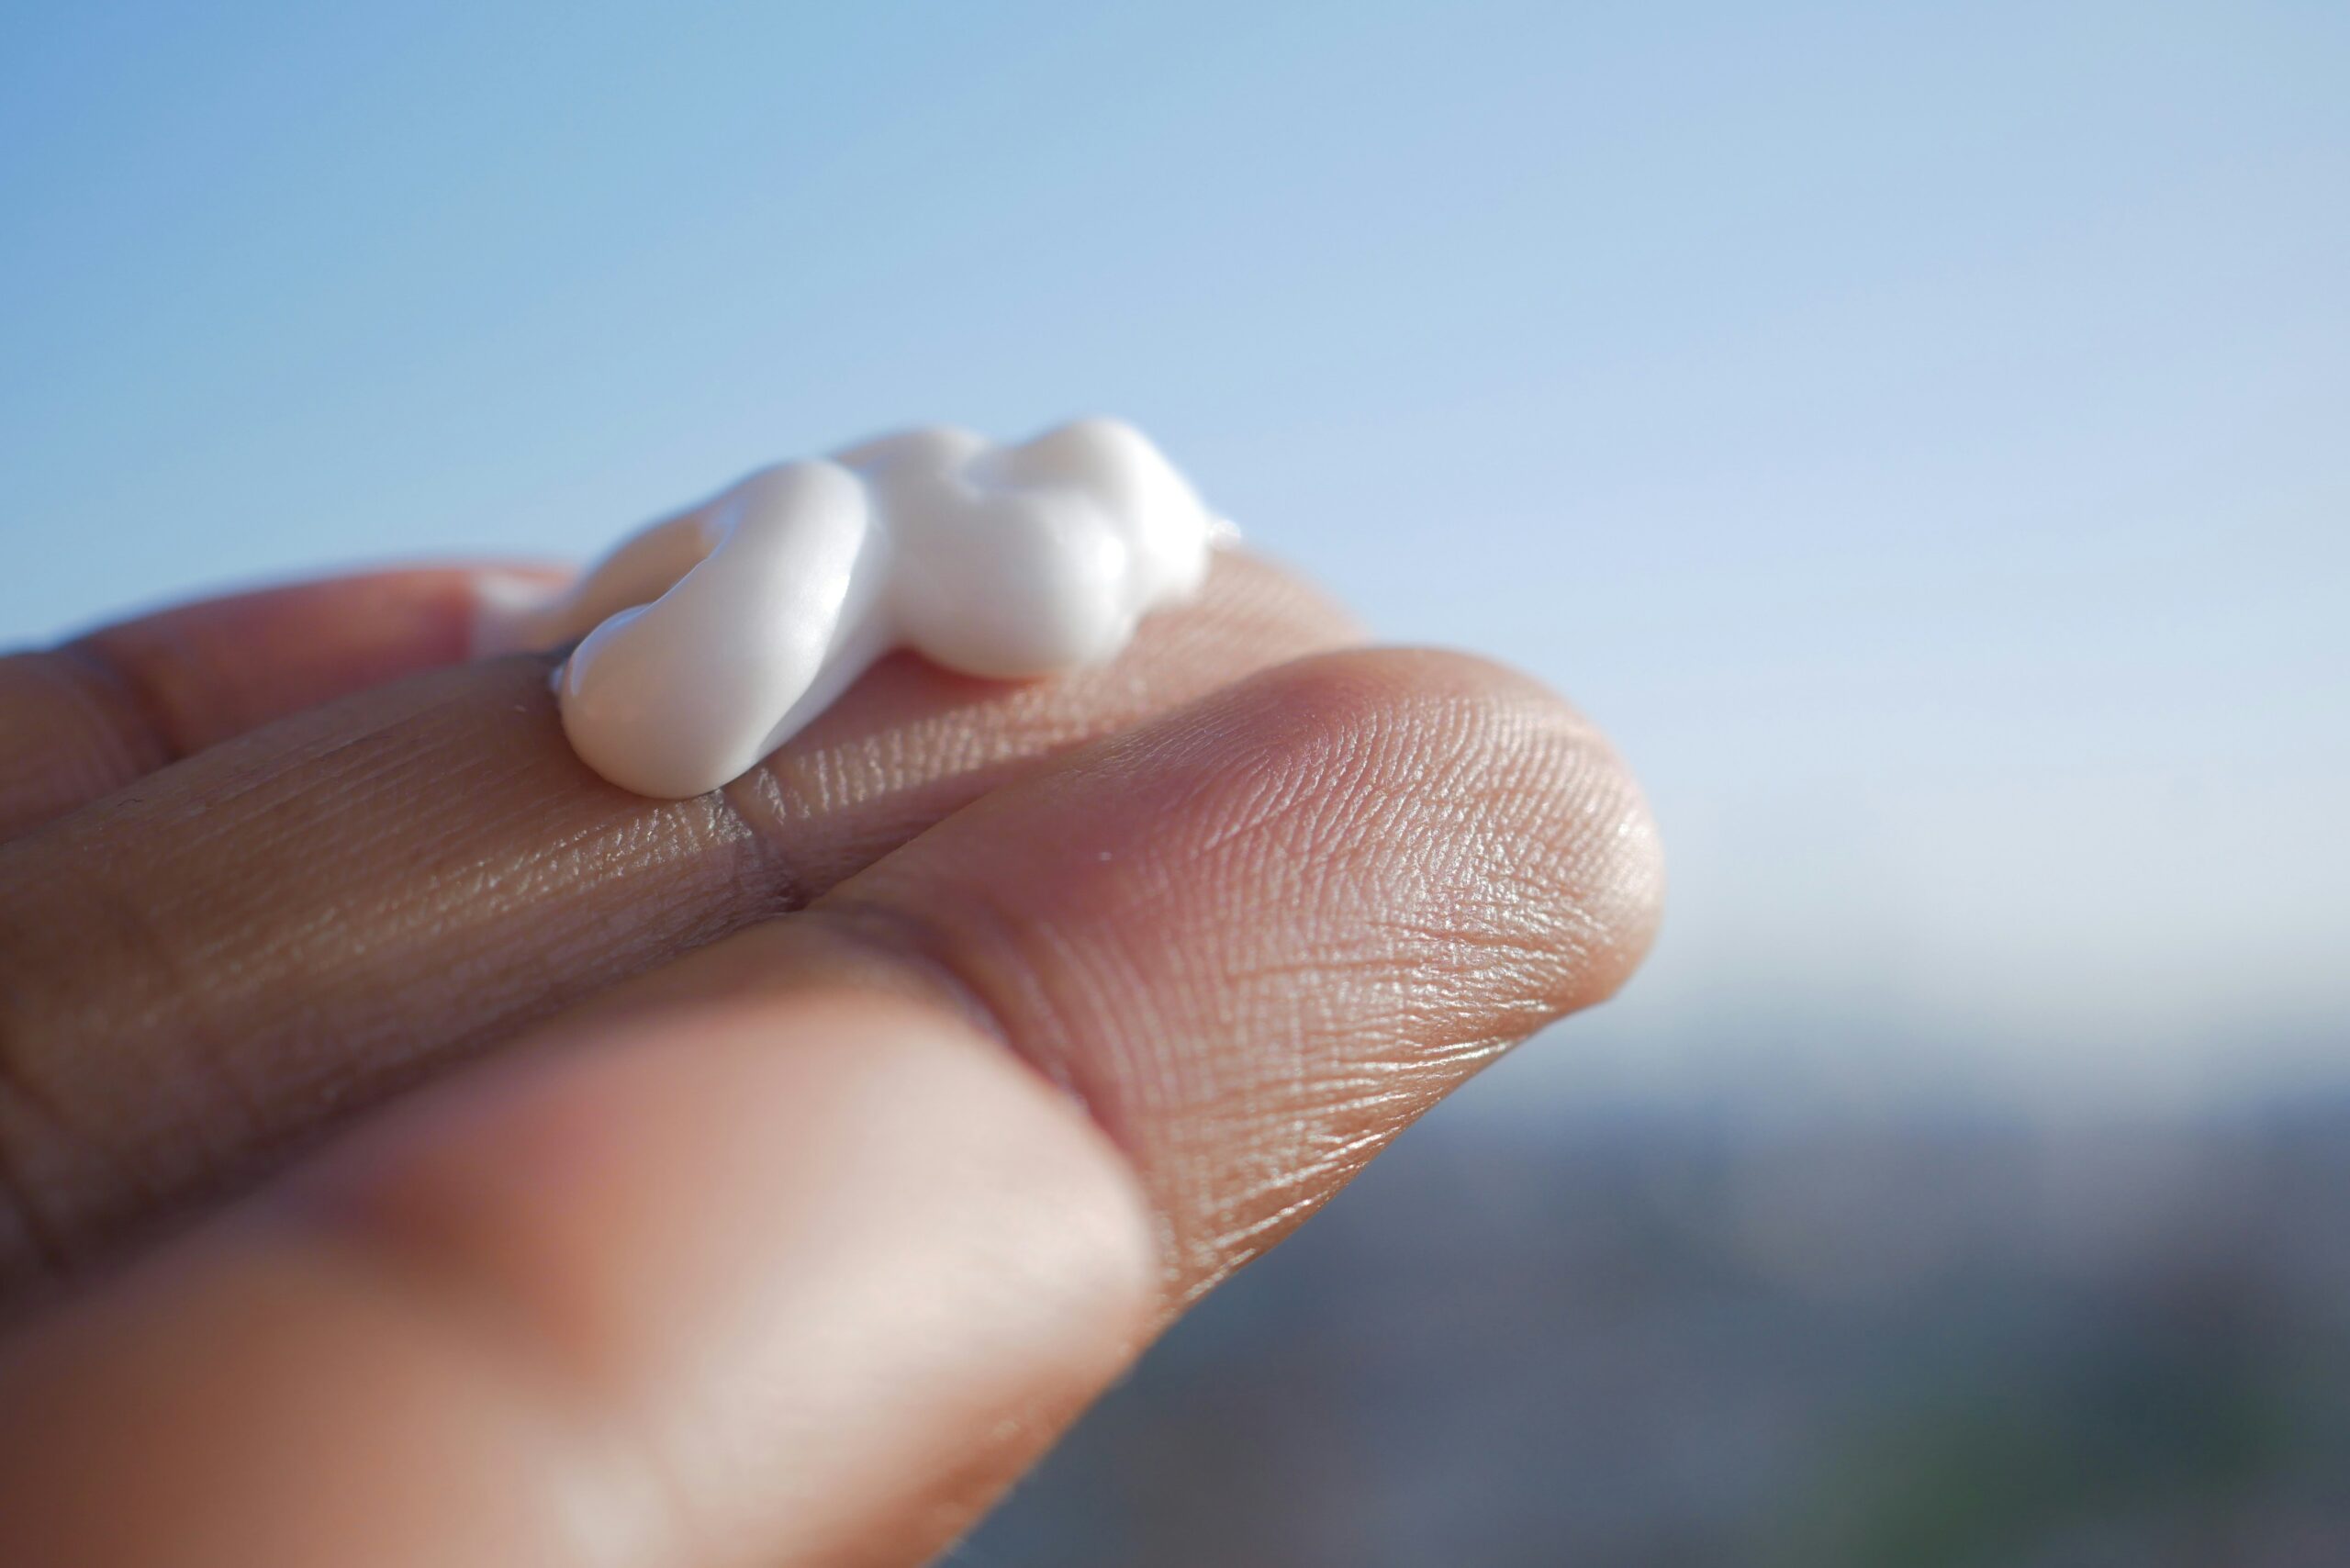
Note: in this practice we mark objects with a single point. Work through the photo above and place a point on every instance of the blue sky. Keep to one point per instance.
(1921, 434)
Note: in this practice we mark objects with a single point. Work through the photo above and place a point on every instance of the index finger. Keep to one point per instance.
(789, 1255)
(198, 972)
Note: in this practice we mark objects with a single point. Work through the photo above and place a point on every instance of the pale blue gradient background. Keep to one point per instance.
(1920, 435)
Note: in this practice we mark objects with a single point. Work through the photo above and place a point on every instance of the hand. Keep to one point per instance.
(414, 1150)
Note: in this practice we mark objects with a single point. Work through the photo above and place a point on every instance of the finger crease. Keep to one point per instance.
(140, 715)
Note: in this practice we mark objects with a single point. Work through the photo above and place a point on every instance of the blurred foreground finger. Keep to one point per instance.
(86, 719)
(773, 1285)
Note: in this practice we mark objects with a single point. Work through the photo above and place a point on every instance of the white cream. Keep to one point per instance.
(711, 637)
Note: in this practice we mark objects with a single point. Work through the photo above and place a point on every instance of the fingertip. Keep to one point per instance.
(1539, 773)
(1550, 851)
(1602, 862)
(510, 610)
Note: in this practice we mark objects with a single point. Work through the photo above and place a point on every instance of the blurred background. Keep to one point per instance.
(1920, 435)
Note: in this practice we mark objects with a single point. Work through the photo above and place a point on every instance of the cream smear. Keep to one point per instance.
(711, 637)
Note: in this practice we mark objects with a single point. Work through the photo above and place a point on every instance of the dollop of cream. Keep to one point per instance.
(711, 637)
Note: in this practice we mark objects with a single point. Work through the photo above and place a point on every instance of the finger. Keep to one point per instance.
(723, 1288)
(1258, 936)
(592, 1305)
(83, 720)
(295, 923)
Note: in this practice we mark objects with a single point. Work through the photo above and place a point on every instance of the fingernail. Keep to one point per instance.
(508, 609)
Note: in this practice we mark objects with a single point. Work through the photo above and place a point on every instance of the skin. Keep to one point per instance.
(414, 1149)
